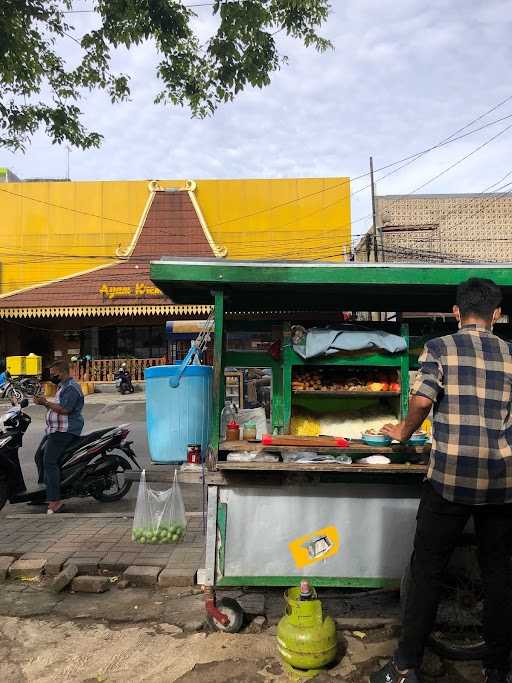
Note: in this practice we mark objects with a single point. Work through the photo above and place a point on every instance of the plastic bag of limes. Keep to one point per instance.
(159, 515)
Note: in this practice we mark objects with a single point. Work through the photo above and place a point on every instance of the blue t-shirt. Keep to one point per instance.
(69, 396)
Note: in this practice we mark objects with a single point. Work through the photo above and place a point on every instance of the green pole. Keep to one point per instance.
(218, 371)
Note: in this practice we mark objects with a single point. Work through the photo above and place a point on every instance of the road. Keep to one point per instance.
(100, 410)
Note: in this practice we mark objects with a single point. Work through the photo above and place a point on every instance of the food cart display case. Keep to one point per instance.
(259, 511)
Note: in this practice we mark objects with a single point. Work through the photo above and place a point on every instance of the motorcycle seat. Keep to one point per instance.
(86, 439)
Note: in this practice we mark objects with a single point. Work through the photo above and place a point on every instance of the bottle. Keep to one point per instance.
(228, 415)
(233, 431)
(250, 431)
(306, 592)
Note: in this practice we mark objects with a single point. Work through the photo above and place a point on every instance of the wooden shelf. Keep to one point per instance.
(347, 394)
(321, 467)
(355, 448)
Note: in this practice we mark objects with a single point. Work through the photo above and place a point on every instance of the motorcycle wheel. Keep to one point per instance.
(32, 388)
(14, 392)
(4, 492)
(120, 486)
(457, 634)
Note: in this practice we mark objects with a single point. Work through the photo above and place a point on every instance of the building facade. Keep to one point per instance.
(441, 228)
(75, 255)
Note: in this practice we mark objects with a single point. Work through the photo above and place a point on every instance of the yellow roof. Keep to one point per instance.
(51, 230)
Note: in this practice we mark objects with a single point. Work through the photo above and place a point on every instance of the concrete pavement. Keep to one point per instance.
(100, 410)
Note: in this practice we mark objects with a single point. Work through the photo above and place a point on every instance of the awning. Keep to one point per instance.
(103, 311)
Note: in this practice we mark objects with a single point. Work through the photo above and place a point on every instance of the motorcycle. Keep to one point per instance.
(124, 381)
(30, 386)
(94, 465)
(11, 389)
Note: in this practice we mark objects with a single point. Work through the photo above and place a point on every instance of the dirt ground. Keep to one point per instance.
(139, 635)
(49, 652)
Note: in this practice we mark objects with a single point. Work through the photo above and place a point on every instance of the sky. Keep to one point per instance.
(404, 76)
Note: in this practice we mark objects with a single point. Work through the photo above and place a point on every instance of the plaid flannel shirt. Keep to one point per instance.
(468, 376)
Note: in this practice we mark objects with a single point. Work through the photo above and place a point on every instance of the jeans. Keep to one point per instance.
(56, 444)
(440, 524)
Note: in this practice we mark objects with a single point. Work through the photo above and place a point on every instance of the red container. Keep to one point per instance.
(194, 453)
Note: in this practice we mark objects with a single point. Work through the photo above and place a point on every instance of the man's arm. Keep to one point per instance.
(419, 408)
(424, 393)
(51, 405)
(67, 401)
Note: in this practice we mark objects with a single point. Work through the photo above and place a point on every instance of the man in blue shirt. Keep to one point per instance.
(64, 424)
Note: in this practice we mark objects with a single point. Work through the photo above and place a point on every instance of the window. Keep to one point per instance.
(132, 341)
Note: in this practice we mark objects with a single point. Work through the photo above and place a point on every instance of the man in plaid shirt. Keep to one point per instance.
(467, 378)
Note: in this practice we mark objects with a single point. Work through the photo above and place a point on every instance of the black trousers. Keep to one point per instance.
(440, 525)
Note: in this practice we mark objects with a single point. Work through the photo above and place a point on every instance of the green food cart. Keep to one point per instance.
(265, 519)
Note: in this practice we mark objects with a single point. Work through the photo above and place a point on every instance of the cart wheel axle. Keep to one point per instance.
(228, 616)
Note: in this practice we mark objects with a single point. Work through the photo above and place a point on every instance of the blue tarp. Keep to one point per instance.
(319, 342)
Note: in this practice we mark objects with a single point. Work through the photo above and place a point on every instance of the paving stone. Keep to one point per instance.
(27, 568)
(141, 575)
(90, 584)
(5, 563)
(177, 576)
(85, 565)
(64, 578)
(54, 564)
(152, 562)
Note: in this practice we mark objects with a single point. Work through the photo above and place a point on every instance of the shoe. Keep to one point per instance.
(55, 512)
(390, 674)
(497, 676)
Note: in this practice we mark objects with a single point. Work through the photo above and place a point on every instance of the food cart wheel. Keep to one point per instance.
(231, 609)
(457, 634)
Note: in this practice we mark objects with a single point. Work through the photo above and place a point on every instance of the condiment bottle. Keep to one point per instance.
(249, 431)
(233, 431)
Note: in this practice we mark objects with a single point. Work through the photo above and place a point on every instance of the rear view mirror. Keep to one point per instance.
(24, 403)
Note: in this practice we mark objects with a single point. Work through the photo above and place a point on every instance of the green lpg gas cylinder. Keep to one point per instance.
(306, 638)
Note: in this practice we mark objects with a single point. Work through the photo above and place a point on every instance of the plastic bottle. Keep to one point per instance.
(228, 415)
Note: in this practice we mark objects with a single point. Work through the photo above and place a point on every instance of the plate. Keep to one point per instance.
(376, 439)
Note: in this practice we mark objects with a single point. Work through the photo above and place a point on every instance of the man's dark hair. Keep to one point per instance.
(479, 297)
(60, 365)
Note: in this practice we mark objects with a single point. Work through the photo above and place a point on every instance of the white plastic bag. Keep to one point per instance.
(159, 515)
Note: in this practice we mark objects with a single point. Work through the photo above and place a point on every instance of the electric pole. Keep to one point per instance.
(374, 215)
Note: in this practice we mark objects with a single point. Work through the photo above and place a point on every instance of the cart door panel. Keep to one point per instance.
(375, 525)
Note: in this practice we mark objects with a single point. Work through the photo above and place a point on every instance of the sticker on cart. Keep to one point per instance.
(315, 547)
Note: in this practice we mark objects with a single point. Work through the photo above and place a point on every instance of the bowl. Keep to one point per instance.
(417, 440)
(376, 439)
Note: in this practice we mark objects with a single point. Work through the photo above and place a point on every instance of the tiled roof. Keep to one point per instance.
(171, 227)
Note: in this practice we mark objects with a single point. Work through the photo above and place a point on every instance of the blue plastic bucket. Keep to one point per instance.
(176, 417)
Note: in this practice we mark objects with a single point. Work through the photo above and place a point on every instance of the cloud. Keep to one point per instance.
(403, 76)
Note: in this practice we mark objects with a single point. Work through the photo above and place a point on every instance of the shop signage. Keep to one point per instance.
(121, 291)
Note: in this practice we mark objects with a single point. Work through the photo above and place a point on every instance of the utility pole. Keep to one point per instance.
(68, 149)
(374, 215)
(378, 237)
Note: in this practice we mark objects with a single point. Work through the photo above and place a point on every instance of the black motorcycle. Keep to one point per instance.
(123, 381)
(94, 465)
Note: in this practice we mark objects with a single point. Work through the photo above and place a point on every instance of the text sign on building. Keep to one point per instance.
(122, 291)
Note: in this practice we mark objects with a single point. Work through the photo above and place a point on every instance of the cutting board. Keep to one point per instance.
(338, 442)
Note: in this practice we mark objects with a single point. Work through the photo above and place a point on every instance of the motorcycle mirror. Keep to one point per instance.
(24, 403)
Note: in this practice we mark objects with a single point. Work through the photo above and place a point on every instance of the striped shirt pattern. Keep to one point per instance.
(69, 395)
(468, 376)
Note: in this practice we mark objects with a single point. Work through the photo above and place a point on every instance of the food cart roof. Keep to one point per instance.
(293, 285)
